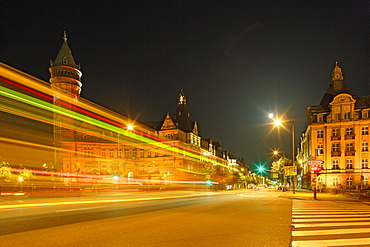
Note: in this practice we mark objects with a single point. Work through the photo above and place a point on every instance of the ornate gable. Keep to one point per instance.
(168, 123)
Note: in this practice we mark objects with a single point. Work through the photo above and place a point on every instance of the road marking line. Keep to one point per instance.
(332, 224)
(329, 215)
(77, 209)
(331, 219)
(329, 232)
(341, 212)
(332, 242)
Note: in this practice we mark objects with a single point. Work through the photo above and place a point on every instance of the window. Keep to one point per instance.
(349, 131)
(335, 147)
(365, 130)
(320, 119)
(103, 152)
(335, 181)
(337, 116)
(349, 181)
(169, 136)
(320, 134)
(320, 149)
(365, 180)
(349, 147)
(365, 114)
(111, 152)
(349, 164)
(120, 153)
(336, 164)
(365, 146)
(347, 115)
(364, 163)
(335, 132)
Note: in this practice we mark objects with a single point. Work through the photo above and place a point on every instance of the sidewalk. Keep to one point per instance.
(308, 195)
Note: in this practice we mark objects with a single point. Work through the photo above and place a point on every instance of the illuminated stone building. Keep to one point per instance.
(338, 135)
(90, 139)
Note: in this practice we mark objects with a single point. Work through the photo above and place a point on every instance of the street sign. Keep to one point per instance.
(315, 162)
(290, 170)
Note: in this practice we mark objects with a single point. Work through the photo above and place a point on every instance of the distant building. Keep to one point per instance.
(338, 135)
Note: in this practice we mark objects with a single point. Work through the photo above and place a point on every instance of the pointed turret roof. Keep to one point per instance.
(182, 117)
(64, 56)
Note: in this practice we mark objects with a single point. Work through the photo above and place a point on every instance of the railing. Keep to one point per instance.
(335, 154)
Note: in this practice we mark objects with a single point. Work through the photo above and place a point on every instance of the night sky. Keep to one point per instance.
(236, 61)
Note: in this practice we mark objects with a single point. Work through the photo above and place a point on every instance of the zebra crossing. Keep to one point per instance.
(330, 223)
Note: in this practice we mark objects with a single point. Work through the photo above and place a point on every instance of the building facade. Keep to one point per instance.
(92, 140)
(338, 135)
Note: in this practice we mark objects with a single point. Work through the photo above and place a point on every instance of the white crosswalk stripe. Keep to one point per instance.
(330, 223)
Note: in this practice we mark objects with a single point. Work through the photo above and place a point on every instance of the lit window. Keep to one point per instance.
(349, 164)
(335, 132)
(349, 146)
(349, 131)
(364, 163)
(320, 149)
(320, 134)
(335, 181)
(335, 147)
(336, 164)
(365, 146)
(349, 181)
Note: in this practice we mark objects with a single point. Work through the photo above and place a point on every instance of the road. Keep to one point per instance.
(330, 223)
(237, 218)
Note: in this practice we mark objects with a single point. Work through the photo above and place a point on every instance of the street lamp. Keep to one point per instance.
(279, 122)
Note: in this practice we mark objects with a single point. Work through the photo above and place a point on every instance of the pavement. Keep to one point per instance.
(309, 195)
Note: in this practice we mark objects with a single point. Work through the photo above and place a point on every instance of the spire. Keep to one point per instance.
(65, 36)
(182, 117)
(64, 56)
(181, 99)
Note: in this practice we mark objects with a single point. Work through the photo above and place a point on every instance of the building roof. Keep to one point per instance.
(182, 116)
(64, 56)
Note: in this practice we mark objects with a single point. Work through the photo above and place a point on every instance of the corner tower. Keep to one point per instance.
(65, 74)
(65, 79)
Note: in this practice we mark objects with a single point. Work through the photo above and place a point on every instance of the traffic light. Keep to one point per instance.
(316, 169)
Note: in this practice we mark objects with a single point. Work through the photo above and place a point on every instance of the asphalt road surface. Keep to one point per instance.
(237, 218)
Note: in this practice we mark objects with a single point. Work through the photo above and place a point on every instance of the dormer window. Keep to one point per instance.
(347, 115)
(365, 114)
(65, 60)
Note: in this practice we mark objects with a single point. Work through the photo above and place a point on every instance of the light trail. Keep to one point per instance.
(26, 205)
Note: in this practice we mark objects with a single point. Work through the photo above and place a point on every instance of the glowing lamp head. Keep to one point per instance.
(261, 169)
(130, 127)
(271, 115)
(277, 122)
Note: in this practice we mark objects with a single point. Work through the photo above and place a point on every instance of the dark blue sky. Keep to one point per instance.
(236, 61)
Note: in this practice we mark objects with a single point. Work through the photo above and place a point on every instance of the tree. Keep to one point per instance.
(278, 167)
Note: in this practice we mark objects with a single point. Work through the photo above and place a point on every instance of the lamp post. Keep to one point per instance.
(279, 122)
